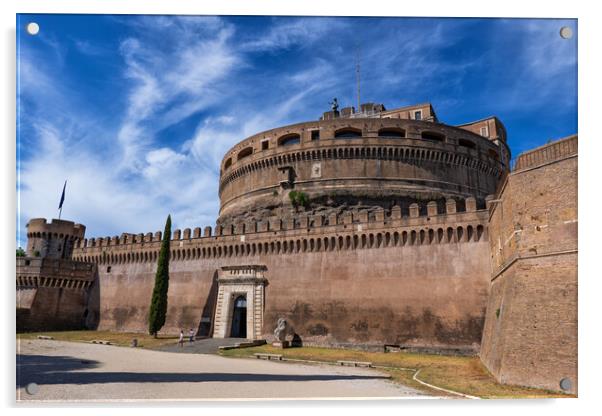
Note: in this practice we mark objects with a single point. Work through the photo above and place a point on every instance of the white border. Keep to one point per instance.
(589, 185)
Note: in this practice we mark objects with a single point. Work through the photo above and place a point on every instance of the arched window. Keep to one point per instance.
(396, 133)
(432, 136)
(247, 151)
(228, 163)
(289, 139)
(347, 133)
(466, 143)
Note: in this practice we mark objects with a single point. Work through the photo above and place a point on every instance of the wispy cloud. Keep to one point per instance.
(146, 137)
(173, 81)
(287, 33)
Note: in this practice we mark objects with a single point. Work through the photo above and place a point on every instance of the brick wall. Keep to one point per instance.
(530, 333)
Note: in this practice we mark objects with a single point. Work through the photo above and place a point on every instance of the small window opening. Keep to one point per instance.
(245, 153)
(466, 143)
(435, 137)
(347, 133)
(392, 132)
(289, 139)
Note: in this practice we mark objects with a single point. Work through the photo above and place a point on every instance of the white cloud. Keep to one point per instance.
(126, 173)
(294, 32)
(160, 160)
(172, 82)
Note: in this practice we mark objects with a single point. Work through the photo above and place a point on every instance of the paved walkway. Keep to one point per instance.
(80, 371)
(201, 346)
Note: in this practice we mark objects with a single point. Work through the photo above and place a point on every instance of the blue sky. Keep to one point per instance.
(136, 112)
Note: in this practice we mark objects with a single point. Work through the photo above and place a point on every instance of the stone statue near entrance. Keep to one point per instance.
(281, 331)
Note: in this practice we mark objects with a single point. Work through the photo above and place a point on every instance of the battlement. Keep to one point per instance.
(53, 239)
(56, 228)
(456, 222)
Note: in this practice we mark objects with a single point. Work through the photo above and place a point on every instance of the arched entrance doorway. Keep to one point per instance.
(234, 282)
(239, 318)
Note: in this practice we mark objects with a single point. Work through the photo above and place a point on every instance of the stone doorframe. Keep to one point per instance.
(234, 281)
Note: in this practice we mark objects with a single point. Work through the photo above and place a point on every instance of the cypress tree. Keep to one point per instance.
(158, 307)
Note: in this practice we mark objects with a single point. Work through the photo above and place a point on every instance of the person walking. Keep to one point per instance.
(191, 335)
(181, 340)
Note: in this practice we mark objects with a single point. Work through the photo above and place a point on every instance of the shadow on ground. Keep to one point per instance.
(201, 346)
(67, 370)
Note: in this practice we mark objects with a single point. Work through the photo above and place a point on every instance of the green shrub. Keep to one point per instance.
(20, 252)
(298, 199)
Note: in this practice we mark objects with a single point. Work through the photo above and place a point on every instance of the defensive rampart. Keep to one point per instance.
(54, 294)
(348, 279)
(530, 334)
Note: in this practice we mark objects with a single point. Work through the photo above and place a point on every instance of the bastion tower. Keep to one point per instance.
(368, 159)
(53, 290)
(53, 240)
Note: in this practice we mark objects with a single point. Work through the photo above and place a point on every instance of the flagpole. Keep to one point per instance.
(62, 199)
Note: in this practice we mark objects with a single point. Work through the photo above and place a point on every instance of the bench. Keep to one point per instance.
(355, 363)
(264, 356)
(99, 341)
(393, 348)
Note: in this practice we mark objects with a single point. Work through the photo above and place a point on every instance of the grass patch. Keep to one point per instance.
(462, 374)
(123, 339)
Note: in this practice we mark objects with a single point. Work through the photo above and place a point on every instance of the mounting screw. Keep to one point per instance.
(566, 32)
(565, 384)
(32, 28)
(32, 388)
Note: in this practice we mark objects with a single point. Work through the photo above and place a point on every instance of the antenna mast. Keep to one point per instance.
(357, 74)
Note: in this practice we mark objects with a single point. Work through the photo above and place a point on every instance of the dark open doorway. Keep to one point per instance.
(239, 318)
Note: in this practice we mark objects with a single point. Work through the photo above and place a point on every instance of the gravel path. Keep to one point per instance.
(79, 371)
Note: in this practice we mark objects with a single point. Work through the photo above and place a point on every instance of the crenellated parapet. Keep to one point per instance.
(450, 223)
(53, 239)
(382, 159)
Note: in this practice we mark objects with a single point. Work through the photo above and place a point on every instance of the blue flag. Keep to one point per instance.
(63, 196)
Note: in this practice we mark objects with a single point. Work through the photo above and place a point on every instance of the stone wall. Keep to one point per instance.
(530, 334)
(54, 294)
(386, 158)
(416, 281)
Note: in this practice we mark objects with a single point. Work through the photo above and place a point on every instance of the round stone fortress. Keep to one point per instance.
(374, 158)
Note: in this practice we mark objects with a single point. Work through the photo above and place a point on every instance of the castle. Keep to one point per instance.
(366, 228)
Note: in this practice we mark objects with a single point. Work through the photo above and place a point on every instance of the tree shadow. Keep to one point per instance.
(66, 370)
(33, 368)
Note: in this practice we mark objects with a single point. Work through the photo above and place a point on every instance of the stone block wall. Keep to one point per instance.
(530, 333)
(417, 281)
(55, 294)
